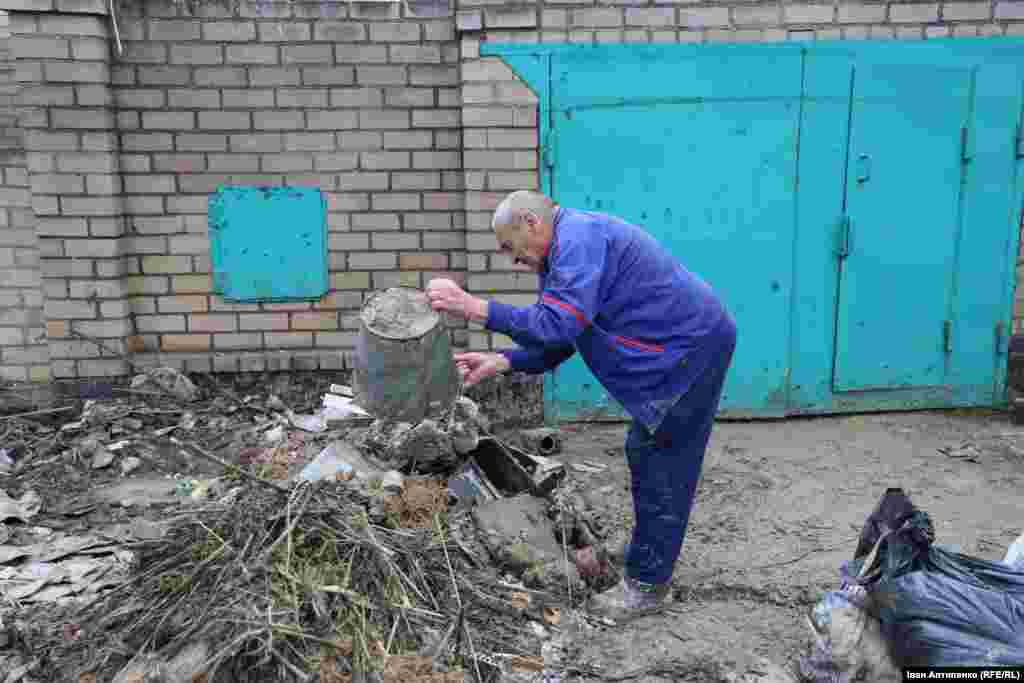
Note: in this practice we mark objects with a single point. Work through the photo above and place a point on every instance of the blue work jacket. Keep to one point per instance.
(644, 324)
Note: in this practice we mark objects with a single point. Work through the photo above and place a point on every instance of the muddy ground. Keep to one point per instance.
(780, 506)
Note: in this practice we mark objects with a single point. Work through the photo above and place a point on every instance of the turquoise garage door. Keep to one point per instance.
(856, 205)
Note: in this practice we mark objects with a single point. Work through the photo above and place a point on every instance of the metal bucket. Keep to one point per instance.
(404, 367)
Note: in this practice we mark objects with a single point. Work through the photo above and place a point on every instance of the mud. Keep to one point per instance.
(779, 507)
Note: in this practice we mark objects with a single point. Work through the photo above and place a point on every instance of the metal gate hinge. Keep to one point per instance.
(548, 149)
(947, 336)
(964, 142)
(843, 241)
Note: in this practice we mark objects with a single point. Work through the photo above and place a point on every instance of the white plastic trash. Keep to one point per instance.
(338, 458)
(1015, 554)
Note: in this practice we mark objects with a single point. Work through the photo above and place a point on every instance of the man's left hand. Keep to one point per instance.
(445, 295)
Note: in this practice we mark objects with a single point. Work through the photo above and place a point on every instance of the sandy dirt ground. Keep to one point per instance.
(779, 507)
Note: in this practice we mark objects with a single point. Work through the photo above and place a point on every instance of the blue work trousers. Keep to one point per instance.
(665, 468)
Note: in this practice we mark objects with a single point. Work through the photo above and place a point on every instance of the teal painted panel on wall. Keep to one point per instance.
(865, 321)
(268, 243)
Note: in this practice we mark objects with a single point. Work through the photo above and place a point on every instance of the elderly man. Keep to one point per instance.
(654, 334)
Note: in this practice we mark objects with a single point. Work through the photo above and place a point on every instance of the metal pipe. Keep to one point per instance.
(117, 32)
(542, 441)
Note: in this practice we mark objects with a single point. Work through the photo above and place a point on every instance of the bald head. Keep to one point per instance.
(523, 225)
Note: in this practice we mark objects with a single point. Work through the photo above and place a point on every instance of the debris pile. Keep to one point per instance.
(278, 586)
(222, 538)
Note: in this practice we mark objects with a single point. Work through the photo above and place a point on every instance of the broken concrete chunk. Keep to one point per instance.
(382, 433)
(275, 436)
(392, 481)
(465, 437)
(95, 413)
(187, 666)
(466, 410)
(102, 457)
(517, 531)
(24, 508)
(425, 447)
(169, 381)
(129, 465)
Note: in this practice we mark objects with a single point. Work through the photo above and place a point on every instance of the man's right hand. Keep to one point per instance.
(476, 367)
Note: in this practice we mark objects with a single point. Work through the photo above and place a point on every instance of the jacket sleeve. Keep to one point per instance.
(536, 359)
(567, 303)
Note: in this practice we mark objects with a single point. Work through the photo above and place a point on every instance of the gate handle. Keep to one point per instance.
(863, 168)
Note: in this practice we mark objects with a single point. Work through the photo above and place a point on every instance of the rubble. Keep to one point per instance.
(129, 465)
(23, 508)
(424, 448)
(167, 381)
(185, 666)
(268, 536)
(521, 538)
(99, 455)
(57, 570)
(312, 513)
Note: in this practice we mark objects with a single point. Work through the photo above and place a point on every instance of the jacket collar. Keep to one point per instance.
(553, 244)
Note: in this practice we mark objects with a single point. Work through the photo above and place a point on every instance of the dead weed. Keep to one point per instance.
(418, 503)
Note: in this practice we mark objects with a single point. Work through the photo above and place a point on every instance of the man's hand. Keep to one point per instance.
(445, 295)
(476, 367)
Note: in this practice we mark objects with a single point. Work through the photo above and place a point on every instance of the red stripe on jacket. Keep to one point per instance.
(572, 310)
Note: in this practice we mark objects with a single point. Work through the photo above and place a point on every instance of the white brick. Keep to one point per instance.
(913, 13)
(861, 14)
(1010, 10)
(966, 11)
(808, 14)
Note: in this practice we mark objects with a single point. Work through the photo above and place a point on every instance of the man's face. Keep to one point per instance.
(523, 243)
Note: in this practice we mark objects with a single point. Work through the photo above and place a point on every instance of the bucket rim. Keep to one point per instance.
(435, 316)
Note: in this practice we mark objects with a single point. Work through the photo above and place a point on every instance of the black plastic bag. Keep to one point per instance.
(937, 607)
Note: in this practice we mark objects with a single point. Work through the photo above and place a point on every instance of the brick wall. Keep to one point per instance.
(387, 107)
(71, 143)
(126, 148)
(23, 351)
(499, 112)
